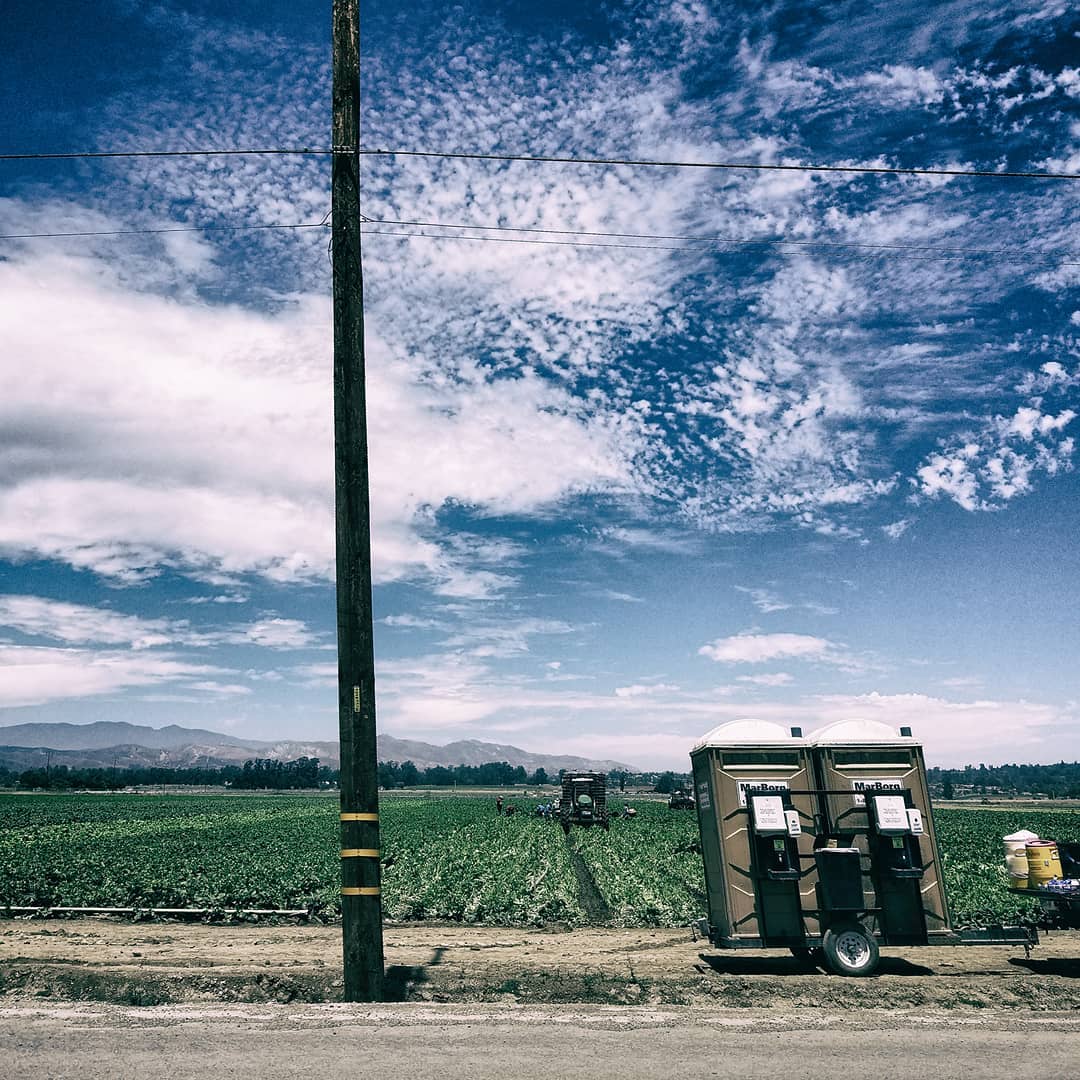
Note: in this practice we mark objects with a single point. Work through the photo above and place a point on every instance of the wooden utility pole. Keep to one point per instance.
(361, 903)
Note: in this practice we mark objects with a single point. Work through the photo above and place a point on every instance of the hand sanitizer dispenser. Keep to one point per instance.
(775, 844)
(897, 849)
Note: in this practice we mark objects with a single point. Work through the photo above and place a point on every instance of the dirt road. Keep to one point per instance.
(161, 963)
(483, 1042)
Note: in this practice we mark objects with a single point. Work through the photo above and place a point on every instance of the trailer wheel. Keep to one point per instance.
(808, 956)
(850, 949)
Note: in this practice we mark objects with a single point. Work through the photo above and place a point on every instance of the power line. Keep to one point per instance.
(522, 240)
(734, 165)
(546, 159)
(741, 241)
(684, 242)
(778, 245)
(78, 154)
(156, 232)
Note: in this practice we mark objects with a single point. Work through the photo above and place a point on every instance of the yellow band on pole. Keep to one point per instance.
(360, 853)
(359, 817)
(350, 891)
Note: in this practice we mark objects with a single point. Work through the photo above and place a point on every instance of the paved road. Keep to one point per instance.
(454, 1042)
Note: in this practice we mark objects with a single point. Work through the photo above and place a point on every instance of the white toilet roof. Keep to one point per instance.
(858, 730)
(748, 732)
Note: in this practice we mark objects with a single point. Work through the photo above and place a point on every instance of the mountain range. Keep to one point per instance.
(115, 744)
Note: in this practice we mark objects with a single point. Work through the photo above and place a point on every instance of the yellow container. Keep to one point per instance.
(1017, 882)
(1044, 862)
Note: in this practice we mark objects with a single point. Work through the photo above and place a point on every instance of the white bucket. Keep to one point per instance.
(1016, 859)
(1016, 863)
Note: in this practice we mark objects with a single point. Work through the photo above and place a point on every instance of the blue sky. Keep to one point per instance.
(620, 494)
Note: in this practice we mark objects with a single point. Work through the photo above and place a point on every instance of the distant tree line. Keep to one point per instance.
(257, 774)
(1056, 781)
(667, 782)
(393, 774)
(262, 774)
(304, 772)
(64, 778)
(1060, 781)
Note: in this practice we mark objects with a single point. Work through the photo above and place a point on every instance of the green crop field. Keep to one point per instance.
(443, 859)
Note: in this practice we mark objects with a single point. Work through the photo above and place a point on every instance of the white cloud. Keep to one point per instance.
(951, 475)
(981, 730)
(768, 602)
(962, 682)
(644, 690)
(779, 678)
(615, 539)
(438, 694)
(760, 648)
(504, 638)
(456, 697)
(985, 470)
(764, 600)
(953, 732)
(895, 529)
(902, 85)
(210, 686)
(278, 633)
(621, 597)
(901, 224)
(779, 411)
(412, 622)
(36, 676)
(320, 674)
(1052, 376)
(186, 435)
(78, 624)
(1029, 422)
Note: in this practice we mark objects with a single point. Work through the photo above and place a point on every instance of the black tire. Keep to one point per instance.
(850, 949)
(809, 957)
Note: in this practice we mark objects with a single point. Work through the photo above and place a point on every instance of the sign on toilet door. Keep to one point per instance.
(865, 787)
(760, 787)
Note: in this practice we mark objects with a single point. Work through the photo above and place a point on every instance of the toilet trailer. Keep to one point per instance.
(752, 782)
(824, 846)
(875, 799)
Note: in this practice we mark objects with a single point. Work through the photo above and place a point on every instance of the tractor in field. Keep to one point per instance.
(583, 800)
(681, 800)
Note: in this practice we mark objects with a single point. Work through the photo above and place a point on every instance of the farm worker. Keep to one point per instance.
(498, 804)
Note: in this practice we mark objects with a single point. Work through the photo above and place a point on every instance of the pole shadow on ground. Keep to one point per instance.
(400, 980)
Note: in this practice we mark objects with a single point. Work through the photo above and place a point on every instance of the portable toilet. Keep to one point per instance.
(752, 782)
(875, 798)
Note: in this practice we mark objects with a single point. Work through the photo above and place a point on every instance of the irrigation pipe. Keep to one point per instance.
(293, 913)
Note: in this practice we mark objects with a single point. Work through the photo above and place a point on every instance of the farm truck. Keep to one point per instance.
(583, 800)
